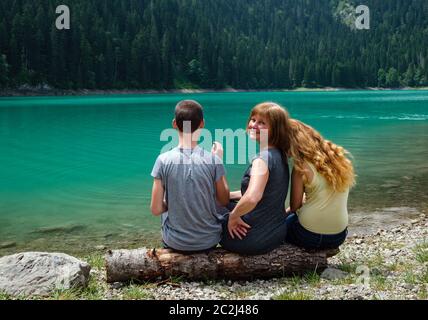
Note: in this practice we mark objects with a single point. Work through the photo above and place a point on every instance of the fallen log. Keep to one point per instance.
(154, 265)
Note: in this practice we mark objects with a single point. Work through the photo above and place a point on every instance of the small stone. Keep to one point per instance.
(117, 285)
(359, 241)
(408, 286)
(5, 245)
(390, 185)
(415, 221)
(333, 274)
(60, 229)
(381, 296)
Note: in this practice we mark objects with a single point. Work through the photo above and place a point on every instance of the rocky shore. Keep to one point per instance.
(387, 264)
(46, 90)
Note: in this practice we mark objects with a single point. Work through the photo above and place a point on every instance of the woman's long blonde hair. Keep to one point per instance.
(329, 159)
(279, 122)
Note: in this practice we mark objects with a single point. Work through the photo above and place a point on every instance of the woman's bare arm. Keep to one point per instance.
(253, 195)
(297, 191)
(298, 196)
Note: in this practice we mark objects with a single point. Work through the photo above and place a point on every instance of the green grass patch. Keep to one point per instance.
(395, 267)
(376, 261)
(293, 296)
(93, 291)
(312, 278)
(421, 252)
(423, 294)
(410, 278)
(348, 267)
(69, 294)
(5, 296)
(295, 281)
(96, 261)
(135, 292)
(424, 277)
(380, 283)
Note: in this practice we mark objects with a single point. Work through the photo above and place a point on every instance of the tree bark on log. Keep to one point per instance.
(161, 264)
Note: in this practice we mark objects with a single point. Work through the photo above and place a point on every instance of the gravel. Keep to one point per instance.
(379, 266)
(390, 264)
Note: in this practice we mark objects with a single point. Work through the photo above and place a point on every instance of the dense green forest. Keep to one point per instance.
(245, 44)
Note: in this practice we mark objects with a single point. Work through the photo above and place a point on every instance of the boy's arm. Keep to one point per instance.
(158, 205)
(236, 195)
(222, 188)
(222, 191)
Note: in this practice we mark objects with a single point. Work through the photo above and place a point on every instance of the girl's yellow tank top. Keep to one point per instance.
(325, 210)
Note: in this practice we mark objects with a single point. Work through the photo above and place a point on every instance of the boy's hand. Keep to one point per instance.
(217, 150)
(237, 227)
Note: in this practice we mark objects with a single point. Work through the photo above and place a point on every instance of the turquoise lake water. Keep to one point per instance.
(75, 171)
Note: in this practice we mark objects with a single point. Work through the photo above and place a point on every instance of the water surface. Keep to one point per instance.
(75, 171)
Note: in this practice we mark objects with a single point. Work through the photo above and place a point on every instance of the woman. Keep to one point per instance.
(257, 224)
(320, 183)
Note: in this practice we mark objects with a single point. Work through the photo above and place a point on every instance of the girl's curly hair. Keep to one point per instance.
(329, 159)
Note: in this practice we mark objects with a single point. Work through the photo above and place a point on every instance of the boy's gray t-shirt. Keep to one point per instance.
(188, 177)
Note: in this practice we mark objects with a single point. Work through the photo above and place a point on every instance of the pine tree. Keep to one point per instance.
(4, 70)
(392, 78)
(382, 78)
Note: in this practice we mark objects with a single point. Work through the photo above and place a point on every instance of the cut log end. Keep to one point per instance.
(161, 264)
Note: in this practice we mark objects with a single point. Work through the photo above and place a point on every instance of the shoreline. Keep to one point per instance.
(43, 92)
(395, 260)
(52, 238)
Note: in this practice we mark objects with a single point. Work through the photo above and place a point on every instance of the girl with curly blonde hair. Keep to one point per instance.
(321, 179)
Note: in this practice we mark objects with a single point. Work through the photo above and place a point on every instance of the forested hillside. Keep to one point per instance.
(247, 44)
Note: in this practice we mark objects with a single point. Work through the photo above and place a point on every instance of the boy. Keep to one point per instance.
(187, 183)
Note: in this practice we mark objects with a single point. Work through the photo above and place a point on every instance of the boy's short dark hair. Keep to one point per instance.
(189, 111)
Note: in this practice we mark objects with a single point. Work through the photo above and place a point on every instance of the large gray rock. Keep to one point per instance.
(40, 274)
